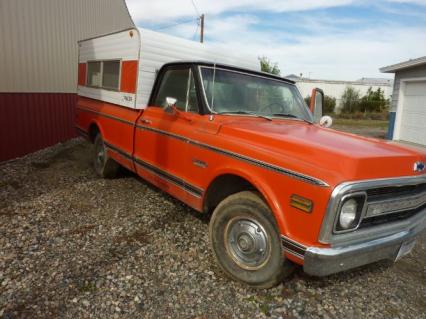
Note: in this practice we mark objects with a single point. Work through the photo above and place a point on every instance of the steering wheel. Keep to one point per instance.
(268, 108)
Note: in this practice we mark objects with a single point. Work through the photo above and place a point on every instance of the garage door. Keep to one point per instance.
(413, 120)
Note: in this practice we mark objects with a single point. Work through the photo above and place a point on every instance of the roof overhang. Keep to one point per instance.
(404, 65)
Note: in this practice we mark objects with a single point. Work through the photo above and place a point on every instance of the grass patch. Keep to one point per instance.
(87, 286)
(361, 123)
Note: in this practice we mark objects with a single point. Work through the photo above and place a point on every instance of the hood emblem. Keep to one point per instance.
(419, 166)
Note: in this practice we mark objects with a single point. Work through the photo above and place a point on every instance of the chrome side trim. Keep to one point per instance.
(193, 190)
(293, 247)
(284, 171)
(83, 109)
(326, 234)
(281, 170)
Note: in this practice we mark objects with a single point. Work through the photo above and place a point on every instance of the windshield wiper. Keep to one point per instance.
(246, 112)
(288, 115)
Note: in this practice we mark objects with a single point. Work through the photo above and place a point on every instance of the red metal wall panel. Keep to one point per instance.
(32, 121)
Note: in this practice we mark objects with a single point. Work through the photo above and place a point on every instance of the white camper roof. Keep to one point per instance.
(152, 50)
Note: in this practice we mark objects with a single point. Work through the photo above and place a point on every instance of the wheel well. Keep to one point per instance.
(222, 187)
(93, 132)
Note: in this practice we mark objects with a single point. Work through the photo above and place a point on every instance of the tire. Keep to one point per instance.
(246, 242)
(104, 166)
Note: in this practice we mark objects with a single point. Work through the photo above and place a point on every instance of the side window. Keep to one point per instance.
(178, 84)
(111, 74)
(104, 74)
(94, 74)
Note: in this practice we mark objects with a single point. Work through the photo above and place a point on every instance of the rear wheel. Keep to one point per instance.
(104, 166)
(246, 242)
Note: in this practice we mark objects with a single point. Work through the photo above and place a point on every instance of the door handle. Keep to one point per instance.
(145, 121)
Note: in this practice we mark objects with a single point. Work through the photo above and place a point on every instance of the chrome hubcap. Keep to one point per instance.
(247, 243)
(100, 155)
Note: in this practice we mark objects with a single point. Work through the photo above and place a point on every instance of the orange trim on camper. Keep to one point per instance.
(82, 74)
(129, 74)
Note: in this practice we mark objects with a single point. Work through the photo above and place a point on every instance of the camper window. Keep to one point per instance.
(94, 74)
(104, 74)
(111, 74)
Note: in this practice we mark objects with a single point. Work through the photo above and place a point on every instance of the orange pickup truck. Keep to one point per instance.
(243, 146)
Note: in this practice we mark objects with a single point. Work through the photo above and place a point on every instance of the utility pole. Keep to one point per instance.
(202, 28)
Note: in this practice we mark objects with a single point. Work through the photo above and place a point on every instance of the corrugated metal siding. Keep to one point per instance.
(415, 72)
(39, 56)
(32, 121)
(38, 47)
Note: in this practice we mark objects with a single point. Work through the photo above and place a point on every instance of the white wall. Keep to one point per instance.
(336, 88)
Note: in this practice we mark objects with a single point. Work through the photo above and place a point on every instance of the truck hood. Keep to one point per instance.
(327, 154)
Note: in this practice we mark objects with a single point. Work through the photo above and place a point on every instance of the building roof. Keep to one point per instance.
(363, 81)
(404, 65)
(376, 81)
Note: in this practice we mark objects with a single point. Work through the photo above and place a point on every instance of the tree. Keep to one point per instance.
(267, 66)
(373, 101)
(329, 104)
(350, 100)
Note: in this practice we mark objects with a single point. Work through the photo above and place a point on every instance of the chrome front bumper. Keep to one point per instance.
(326, 261)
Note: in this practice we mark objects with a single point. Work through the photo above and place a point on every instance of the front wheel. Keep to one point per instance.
(246, 242)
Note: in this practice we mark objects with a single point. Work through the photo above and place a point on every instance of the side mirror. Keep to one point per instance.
(170, 105)
(316, 105)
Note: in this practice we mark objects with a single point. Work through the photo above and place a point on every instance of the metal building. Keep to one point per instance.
(407, 116)
(39, 64)
(336, 88)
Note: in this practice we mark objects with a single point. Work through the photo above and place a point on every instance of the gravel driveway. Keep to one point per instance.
(73, 245)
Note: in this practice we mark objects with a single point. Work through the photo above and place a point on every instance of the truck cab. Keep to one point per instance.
(280, 186)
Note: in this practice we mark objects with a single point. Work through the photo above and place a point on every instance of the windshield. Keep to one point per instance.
(233, 92)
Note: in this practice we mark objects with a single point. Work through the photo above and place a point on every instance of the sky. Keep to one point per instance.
(322, 39)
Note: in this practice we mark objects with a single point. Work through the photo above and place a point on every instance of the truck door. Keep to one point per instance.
(161, 138)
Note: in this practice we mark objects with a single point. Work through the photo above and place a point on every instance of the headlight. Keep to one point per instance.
(349, 214)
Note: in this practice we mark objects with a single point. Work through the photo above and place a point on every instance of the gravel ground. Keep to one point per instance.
(73, 245)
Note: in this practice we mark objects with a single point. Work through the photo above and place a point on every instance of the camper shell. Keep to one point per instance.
(140, 54)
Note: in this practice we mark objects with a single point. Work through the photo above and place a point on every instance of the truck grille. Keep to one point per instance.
(393, 191)
(395, 203)
(388, 218)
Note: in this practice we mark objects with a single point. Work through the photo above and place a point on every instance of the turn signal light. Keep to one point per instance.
(301, 203)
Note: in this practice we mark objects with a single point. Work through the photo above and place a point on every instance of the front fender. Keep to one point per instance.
(262, 186)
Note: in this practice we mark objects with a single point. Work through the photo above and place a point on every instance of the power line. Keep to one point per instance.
(176, 24)
(195, 8)
(196, 30)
